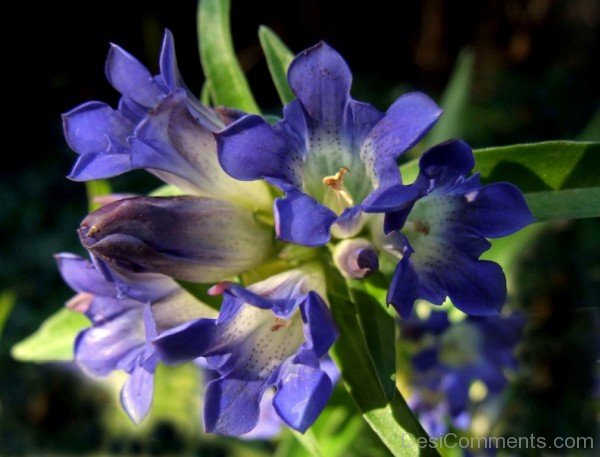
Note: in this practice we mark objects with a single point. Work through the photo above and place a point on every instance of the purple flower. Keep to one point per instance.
(123, 325)
(158, 126)
(329, 153)
(190, 238)
(459, 366)
(445, 217)
(270, 335)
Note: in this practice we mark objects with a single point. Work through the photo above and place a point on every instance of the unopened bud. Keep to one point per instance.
(356, 258)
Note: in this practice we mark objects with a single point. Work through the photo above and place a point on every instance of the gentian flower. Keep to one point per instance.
(459, 366)
(329, 153)
(270, 335)
(161, 127)
(445, 217)
(123, 327)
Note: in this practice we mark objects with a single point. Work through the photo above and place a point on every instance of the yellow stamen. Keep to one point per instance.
(93, 229)
(336, 183)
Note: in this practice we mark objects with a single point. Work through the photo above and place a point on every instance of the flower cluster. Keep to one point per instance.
(333, 162)
(460, 370)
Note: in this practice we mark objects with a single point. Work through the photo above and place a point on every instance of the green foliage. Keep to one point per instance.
(95, 189)
(228, 85)
(560, 179)
(7, 301)
(361, 368)
(455, 102)
(53, 341)
(177, 394)
(279, 58)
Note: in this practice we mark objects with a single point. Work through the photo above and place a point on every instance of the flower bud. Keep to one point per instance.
(356, 258)
(188, 238)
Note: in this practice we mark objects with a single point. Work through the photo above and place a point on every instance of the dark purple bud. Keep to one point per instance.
(356, 258)
(189, 238)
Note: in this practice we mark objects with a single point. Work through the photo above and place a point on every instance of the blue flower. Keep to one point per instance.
(158, 126)
(124, 315)
(459, 366)
(329, 153)
(445, 217)
(270, 335)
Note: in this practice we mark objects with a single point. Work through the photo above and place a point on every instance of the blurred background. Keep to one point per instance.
(535, 77)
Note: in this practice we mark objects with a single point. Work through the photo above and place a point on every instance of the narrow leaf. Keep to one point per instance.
(96, 188)
(7, 301)
(278, 58)
(219, 62)
(53, 341)
(379, 330)
(560, 179)
(455, 102)
(392, 420)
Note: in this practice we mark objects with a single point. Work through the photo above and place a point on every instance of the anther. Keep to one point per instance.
(336, 183)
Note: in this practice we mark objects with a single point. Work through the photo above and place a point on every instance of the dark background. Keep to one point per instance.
(536, 78)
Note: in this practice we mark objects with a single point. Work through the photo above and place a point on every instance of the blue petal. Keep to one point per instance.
(321, 80)
(168, 63)
(136, 394)
(189, 341)
(498, 210)
(302, 220)
(81, 276)
(251, 149)
(476, 287)
(132, 79)
(302, 394)
(102, 348)
(232, 406)
(447, 161)
(89, 126)
(320, 332)
(404, 287)
(402, 126)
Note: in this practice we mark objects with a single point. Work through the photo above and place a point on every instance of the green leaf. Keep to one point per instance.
(206, 94)
(200, 291)
(392, 420)
(309, 441)
(168, 190)
(176, 401)
(53, 341)
(455, 102)
(591, 132)
(219, 62)
(560, 179)
(96, 188)
(7, 301)
(279, 58)
(379, 332)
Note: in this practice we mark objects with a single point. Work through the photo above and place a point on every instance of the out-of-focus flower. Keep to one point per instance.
(457, 366)
(445, 218)
(271, 334)
(356, 258)
(123, 327)
(329, 153)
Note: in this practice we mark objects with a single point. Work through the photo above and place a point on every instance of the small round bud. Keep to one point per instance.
(356, 258)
